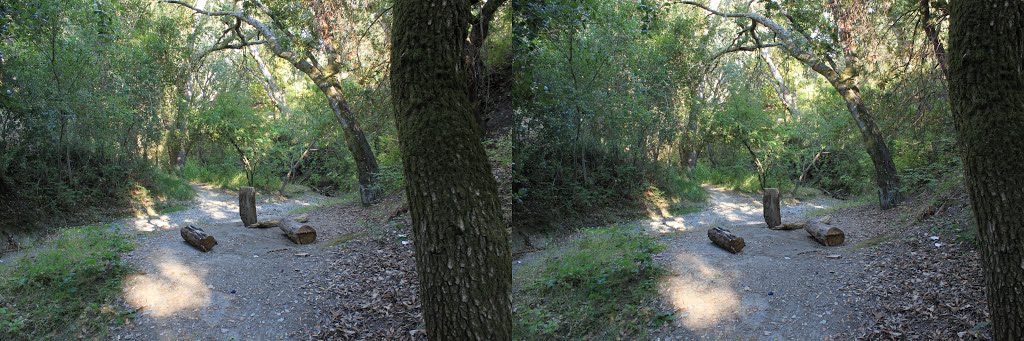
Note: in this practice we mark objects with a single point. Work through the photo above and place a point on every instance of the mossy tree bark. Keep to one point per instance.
(462, 252)
(986, 48)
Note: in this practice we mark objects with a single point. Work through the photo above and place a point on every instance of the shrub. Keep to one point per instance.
(65, 289)
(596, 287)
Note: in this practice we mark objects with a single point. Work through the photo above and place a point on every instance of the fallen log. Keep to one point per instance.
(247, 205)
(302, 218)
(298, 232)
(792, 226)
(198, 238)
(266, 224)
(826, 235)
(772, 209)
(726, 240)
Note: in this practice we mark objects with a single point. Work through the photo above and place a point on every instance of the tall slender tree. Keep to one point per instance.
(986, 72)
(462, 252)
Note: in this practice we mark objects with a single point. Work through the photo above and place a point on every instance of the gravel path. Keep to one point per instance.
(782, 286)
(250, 286)
(213, 206)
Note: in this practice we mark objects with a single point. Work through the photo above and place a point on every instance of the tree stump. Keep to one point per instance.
(247, 205)
(198, 238)
(726, 240)
(298, 232)
(772, 213)
(826, 235)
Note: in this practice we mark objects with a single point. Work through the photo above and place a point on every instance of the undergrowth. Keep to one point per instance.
(64, 291)
(349, 197)
(228, 176)
(552, 191)
(862, 200)
(596, 287)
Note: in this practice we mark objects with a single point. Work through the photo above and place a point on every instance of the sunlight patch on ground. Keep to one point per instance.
(668, 225)
(176, 288)
(150, 224)
(701, 294)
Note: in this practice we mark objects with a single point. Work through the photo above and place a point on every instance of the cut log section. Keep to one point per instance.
(302, 218)
(266, 224)
(772, 212)
(247, 205)
(198, 238)
(726, 240)
(792, 226)
(298, 232)
(826, 235)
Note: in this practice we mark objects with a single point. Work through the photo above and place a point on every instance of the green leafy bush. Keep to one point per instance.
(64, 290)
(596, 287)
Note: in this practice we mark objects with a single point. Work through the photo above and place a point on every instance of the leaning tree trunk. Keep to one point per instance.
(986, 53)
(462, 252)
(886, 178)
(785, 95)
(355, 141)
(845, 83)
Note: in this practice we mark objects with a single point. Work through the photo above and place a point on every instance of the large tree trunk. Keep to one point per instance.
(462, 251)
(986, 81)
(886, 178)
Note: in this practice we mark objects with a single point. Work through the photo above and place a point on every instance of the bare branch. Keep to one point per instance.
(738, 48)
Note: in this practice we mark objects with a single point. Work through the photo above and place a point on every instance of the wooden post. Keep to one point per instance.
(247, 205)
(826, 235)
(772, 213)
(198, 238)
(726, 240)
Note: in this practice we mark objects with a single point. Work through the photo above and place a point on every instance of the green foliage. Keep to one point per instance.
(595, 103)
(862, 200)
(736, 177)
(349, 198)
(599, 286)
(66, 289)
(228, 176)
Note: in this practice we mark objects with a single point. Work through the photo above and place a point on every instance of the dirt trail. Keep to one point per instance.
(250, 286)
(782, 286)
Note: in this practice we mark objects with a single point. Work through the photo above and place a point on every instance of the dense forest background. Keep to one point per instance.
(112, 107)
(625, 102)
